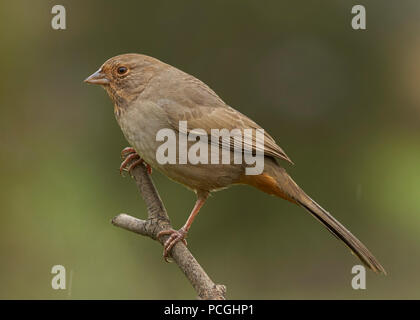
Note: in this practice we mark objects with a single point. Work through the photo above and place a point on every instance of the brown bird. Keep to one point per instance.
(150, 95)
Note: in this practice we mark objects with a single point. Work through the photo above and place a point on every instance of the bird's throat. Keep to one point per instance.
(120, 102)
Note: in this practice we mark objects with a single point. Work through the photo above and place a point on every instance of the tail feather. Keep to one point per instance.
(337, 229)
(275, 180)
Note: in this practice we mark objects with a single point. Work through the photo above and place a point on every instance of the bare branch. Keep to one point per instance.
(157, 221)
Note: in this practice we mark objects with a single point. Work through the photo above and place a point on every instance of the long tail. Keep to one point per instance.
(276, 181)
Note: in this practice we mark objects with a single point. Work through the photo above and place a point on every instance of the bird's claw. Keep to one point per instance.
(131, 160)
(126, 151)
(174, 237)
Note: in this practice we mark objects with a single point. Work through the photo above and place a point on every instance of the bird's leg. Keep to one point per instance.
(129, 154)
(180, 235)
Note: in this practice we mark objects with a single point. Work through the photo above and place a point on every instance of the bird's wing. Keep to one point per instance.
(202, 108)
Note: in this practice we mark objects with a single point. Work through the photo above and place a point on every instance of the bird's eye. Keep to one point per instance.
(122, 70)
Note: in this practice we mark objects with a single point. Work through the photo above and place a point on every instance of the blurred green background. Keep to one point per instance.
(344, 105)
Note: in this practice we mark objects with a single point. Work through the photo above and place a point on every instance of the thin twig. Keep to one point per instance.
(157, 221)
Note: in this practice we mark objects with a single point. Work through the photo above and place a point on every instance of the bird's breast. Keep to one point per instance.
(140, 122)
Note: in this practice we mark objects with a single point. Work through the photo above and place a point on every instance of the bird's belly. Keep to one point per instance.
(206, 177)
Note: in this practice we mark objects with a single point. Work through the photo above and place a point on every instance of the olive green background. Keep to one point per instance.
(344, 105)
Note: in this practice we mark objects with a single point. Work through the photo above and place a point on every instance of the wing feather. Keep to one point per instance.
(203, 109)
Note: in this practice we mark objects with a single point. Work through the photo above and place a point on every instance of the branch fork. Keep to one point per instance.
(158, 220)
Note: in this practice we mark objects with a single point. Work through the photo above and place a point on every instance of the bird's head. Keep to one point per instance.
(125, 76)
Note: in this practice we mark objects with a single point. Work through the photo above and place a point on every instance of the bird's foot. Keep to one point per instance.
(174, 237)
(131, 160)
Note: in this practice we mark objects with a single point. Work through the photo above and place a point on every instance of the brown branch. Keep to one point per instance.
(158, 220)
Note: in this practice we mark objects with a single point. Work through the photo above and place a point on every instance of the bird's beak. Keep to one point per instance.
(97, 78)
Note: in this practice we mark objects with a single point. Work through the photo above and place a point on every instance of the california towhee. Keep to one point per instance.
(150, 95)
